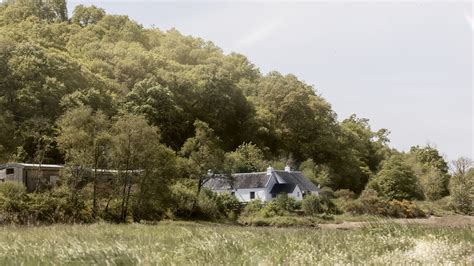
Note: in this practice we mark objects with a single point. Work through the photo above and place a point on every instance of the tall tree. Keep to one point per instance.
(84, 137)
(246, 158)
(461, 185)
(135, 154)
(204, 156)
(396, 180)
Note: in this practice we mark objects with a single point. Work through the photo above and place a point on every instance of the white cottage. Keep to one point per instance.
(264, 185)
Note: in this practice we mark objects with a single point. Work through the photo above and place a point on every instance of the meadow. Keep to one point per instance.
(186, 243)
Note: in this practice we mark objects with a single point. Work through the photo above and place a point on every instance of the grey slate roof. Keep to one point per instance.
(296, 177)
(251, 180)
(260, 180)
(240, 180)
(286, 188)
(218, 183)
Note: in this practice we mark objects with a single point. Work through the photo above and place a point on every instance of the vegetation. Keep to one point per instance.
(98, 91)
(192, 243)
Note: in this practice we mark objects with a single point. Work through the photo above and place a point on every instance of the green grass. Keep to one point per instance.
(186, 243)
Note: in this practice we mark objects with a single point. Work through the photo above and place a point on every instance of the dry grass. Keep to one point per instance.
(197, 244)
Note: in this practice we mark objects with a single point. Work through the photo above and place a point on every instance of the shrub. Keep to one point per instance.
(207, 206)
(215, 206)
(370, 203)
(57, 206)
(403, 209)
(252, 207)
(327, 191)
(281, 206)
(228, 205)
(183, 200)
(462, 192)
(396, 180)
(344, 194)
(311, 205)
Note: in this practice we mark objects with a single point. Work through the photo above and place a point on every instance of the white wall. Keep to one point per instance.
(243, 195)
(297, 194)
(17, 175)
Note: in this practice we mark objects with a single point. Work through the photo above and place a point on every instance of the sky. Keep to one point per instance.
(405, 65)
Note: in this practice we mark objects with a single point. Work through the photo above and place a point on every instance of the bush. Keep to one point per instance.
(214, 206)
(281, 206)
(370, 203)
(461, 188)
(57, 206)
(403, 209)
(311, 205)
(344, 194)
(396, 180)
(207, 207)
(327, 192)
(183, 200)
(253, 207)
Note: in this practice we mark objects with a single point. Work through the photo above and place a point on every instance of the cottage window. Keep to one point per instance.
(252, 195)
(232, 193)
(298, 194)
(274, 195)
(9, 171)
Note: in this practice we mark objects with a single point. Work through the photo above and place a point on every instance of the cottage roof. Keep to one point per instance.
(251, 180)
(239, 181)
(260, 180)
(295, 177)
(283, 188)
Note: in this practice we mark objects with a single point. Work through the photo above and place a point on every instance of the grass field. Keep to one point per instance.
(185, 243)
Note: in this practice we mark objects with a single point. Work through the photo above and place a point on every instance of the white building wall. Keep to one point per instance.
(297, 194)
(17, 175)
(243, 195)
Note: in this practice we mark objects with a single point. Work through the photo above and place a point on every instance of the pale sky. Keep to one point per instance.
(406, 66)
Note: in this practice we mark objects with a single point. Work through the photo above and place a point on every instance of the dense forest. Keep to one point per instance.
(101, 91)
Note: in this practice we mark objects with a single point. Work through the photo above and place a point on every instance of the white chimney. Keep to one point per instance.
(287, 168)
(269, 170)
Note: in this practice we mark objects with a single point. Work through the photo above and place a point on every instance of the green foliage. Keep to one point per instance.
(252, 207)
(246, 158)
(18, 207)
(311, 205)
(431, 170)
(370, 203)
(85, 16)
(50, 66)
(203, 153)
(344, 194)
(281, 206)
(462, 186)
(396, 180)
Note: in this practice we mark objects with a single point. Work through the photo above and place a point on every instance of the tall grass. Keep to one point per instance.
(196, 244)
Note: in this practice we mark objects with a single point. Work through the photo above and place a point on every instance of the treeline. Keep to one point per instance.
(98, 91)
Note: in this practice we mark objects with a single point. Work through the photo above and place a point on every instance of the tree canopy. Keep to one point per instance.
(201, 102)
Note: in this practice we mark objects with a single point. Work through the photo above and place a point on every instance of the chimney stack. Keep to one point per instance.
(287, 168)
(269, 170)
